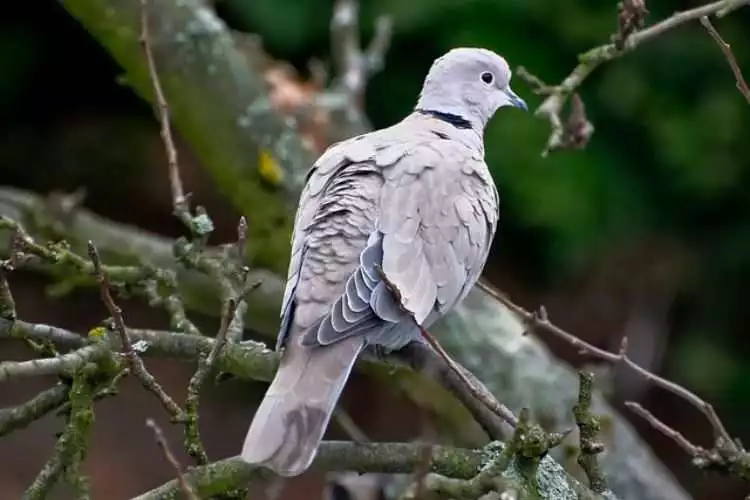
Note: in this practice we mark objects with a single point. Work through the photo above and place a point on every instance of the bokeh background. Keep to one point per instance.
(645, 233)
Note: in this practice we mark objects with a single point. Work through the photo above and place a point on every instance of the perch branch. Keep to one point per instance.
(484, 396)
(332, 455)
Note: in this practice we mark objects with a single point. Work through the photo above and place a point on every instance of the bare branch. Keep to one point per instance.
(350, 427)
(537, 320)
(162, 442)
(180, 203)
(660, 426)
(551, 108)
(726, 49)
(135, 363)
(355, 65)
(495, 406)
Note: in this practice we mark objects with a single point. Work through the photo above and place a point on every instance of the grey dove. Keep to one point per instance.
(415, 202)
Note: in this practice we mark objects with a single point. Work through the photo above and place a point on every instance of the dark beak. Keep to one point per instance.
(516, 101)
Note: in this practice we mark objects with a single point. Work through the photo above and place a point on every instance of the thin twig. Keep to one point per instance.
(726, 49)
(350, 427)
(551, 108)
(491, 403)
(179, 200)
(660, 426)
(540, 320)
(162, 442)
(497, 408)
(193, 443)
(135, 363)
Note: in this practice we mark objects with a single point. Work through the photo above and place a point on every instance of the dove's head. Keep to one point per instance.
(470, 83)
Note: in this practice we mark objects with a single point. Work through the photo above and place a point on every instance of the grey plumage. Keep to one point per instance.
(415, 199)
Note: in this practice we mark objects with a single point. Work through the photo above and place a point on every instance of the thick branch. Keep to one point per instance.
(380, 457)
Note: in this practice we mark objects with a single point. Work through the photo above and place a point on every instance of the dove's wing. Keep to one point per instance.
(407, 200)
(430, 219)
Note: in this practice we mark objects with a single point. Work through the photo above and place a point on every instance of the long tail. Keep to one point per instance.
(293, 416)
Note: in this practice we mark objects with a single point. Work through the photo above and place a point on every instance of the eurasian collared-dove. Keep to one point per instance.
(415, 202)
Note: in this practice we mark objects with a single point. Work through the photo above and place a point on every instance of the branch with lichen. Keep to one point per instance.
(456, 463)
(588, 431)
(576, 130)
(71, 446)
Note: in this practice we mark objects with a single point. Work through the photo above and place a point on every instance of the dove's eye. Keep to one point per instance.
(487, 77)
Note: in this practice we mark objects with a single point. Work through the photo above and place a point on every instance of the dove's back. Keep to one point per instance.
(415, 200)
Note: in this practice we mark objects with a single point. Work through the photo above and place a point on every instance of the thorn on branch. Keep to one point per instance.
(241, 240)
(135, 363)
(726, 49)
(631, 16)
(162, 442)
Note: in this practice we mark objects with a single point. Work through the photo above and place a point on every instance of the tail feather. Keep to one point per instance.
(295, 412)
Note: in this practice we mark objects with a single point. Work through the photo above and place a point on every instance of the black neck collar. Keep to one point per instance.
(457, 121)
